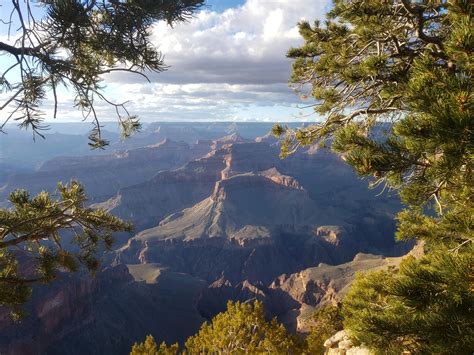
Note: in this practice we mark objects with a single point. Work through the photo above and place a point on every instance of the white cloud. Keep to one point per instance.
(221, 65)
(220, 62)
(272, 26)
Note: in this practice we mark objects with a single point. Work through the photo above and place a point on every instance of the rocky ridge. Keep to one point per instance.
(238, 223)
(103, 175)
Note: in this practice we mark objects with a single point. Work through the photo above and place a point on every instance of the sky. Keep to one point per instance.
(226, 64)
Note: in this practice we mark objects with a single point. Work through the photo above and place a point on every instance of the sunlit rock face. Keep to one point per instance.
(340, 344)
(215, 220)
(258, 209)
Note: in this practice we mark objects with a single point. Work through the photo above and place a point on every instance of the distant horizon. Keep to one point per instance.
(47, 123)
(84, 128)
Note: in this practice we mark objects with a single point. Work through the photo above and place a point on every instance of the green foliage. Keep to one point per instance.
(369, 63)
(149, 347)
(241, 329)
(325, 322)
(73, 46)
(393, 82)
(32, 235)
(427, 306)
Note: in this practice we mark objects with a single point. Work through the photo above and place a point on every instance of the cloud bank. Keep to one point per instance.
(223, 65)
(228, 65)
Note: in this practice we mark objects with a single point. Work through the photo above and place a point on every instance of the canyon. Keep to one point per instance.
(218, 216)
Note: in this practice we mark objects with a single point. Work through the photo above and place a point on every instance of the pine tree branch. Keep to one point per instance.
(417, 11)
(368, 111)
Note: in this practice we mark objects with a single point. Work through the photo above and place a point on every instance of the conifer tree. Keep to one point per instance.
(324, 323)
(33, 233)
(424, 307)
(149, 347)
(74, 45)
(68, 44)
(393, 83)
(241, 329)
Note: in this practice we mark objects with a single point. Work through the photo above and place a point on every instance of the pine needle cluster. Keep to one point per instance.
(73, 46)
(42, 235)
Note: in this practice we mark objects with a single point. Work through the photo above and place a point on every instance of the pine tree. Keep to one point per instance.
(32, 236)
(393, 83)
(424, 307)
(242, 329)
(149, 347)
(73, 45)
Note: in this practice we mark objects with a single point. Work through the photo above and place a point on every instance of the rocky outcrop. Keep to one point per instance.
(325, 283)
(238, 223)
(250, 203)
(214, 298)
(105, 315)
(147, 203)
(341, 344)
(284, 180)
(267, 138)
(104, 175)
(255, 260)
(252, 157)
(227, 140)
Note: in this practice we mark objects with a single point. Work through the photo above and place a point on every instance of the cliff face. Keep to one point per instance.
(255, 214)
(325, 283)
(105, 315)
(228, 140)
(238, 223)
(256, 260)
(167, 192)
(103, 175)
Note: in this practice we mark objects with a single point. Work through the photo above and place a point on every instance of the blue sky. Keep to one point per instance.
(221, 5)
(227, 63)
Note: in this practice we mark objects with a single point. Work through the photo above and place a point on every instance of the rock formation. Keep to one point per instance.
(103, 175)
(79, 314)
(212, 224)
(341, 344)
